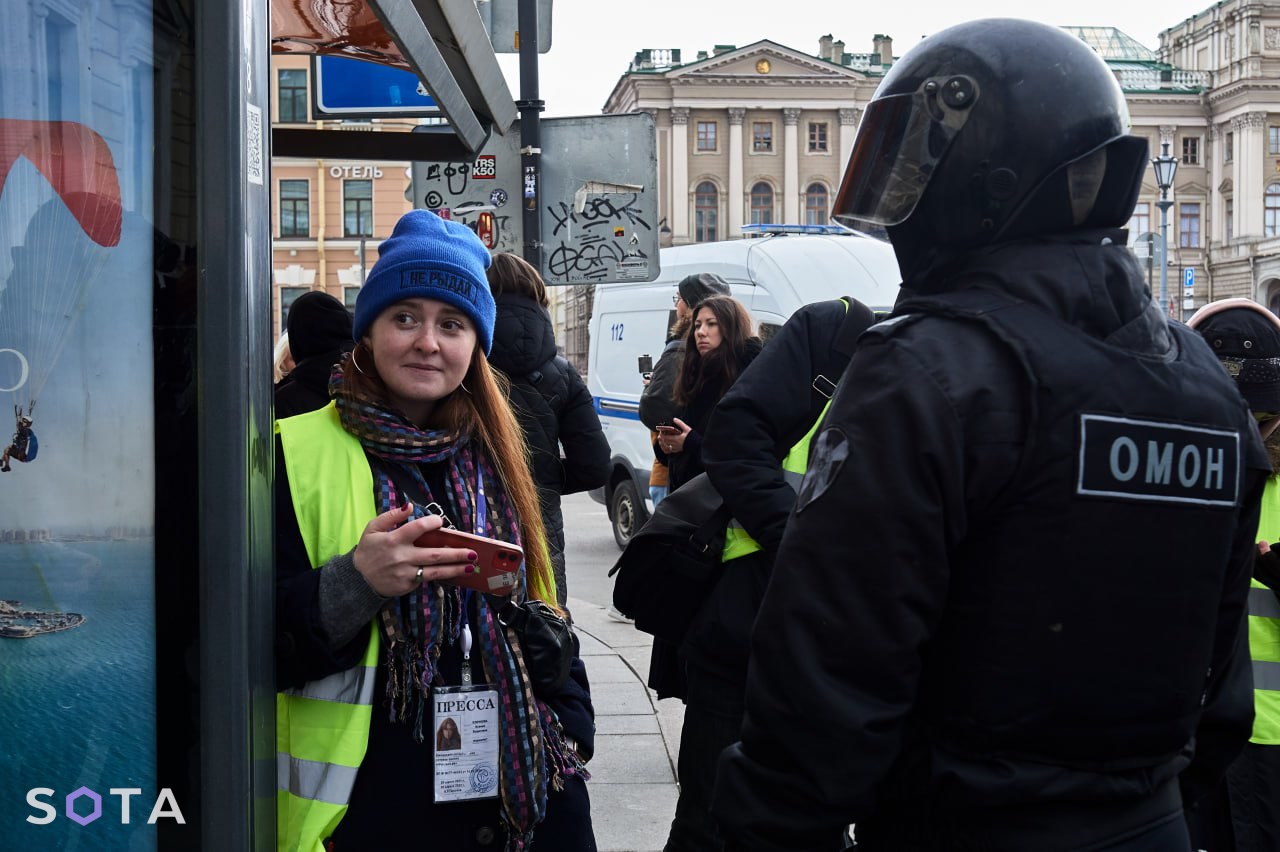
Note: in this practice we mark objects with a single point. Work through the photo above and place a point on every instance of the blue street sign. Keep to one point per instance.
(1188, 277)
(350, 88)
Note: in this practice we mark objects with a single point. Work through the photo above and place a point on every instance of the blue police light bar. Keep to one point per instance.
(796, 229)
(351, 88)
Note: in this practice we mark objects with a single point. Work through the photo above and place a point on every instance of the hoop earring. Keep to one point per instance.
(355, 358)
(464, 388)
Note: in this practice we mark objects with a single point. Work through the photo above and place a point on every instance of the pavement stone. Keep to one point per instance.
(633, 785)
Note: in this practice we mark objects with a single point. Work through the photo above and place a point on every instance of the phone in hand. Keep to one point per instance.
(645, 363)
(666, 429)
(499, 561)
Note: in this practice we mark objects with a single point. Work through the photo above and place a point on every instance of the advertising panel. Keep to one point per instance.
(78, 242)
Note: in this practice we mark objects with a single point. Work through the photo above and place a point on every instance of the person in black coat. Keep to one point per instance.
(718, 348)
(319, 334)
(770, 409)
(550, 399)
(1002, 618)
(657, 401)
(719, 345)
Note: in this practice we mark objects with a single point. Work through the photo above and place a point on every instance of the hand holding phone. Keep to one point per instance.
(671, 437)
(497, 563)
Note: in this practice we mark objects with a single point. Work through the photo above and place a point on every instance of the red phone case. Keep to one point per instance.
(499, 561)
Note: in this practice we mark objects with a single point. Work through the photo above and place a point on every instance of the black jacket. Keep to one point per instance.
(657, 401)
(306, 388)
(766, 412)
(924, 444)
(554, 408)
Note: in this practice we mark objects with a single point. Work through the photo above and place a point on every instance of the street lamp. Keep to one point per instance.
(1165, 167)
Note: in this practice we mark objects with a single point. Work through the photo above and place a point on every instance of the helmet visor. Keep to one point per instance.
(899, 144)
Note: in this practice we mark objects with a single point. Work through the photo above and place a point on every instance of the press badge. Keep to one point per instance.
(466, 752)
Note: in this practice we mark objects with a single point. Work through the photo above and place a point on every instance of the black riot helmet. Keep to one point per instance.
(988, 131)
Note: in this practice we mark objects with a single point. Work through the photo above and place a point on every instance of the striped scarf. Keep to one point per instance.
(418, 625)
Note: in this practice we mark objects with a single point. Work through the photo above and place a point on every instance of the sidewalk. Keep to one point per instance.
(633, 783)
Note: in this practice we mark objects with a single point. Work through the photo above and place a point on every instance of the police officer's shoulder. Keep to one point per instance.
(892, 325)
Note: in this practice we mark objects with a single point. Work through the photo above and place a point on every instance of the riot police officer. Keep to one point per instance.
(1006, 612)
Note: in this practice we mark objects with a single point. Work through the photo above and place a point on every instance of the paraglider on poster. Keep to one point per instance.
(77, 507)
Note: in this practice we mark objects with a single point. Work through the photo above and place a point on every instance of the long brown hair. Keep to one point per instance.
(719, 368)
(482, 412)
(511, 274)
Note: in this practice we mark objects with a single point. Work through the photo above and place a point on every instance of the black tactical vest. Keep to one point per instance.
(1083, 609)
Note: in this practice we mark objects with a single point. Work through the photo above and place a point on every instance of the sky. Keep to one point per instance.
(592, 43)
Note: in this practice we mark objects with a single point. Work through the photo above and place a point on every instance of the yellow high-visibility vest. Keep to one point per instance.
(322, 729)
(1264, 631)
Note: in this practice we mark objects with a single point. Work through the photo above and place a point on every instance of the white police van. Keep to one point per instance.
(786, 267)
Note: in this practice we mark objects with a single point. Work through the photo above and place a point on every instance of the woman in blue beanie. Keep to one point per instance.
(375, 643)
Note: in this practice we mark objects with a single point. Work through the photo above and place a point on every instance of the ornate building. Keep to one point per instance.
(1235, 45)
(755, 134)
(762, 133)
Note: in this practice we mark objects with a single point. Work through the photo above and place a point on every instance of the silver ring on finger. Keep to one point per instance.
(418, 576)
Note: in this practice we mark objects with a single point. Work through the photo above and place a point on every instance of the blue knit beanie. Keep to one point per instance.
(427, 257)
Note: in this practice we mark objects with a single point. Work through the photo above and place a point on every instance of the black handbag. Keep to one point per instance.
(672, 563)
(546, 641)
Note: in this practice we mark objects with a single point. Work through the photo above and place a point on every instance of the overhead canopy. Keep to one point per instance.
(444, 42)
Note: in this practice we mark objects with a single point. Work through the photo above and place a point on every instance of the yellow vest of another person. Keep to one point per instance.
(737, 541)
(1264, 631)
(322, 729)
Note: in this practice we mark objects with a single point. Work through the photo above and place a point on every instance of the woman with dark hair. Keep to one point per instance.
(551, 401)
(419, 435)
(719, 346)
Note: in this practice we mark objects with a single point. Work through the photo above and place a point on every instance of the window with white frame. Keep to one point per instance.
(818, 137)
(762, 137)
(761, 204)
(706, 203)
(1189, 225)
(1271, 210)
(295, 209)
(706, 136)
(1140, 221)
(815, 205)
(1191, 150)
(357, 208)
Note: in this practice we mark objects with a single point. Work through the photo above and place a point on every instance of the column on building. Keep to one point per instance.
(848, 129)
(791, 166)
(1248, 190)
(680, 176)
(1215, 174)
(1239, 190)
(736, 197)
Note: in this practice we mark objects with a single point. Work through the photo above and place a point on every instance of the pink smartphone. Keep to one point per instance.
(664, 429)
(499, 561)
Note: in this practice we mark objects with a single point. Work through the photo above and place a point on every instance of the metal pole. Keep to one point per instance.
(530, 133)
(1164, 206)
(363, 275)
(1151, 257)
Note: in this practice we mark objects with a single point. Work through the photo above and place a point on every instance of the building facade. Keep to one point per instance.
(762, 134)
(1235, 124)
(329, 216)
(749, 135)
